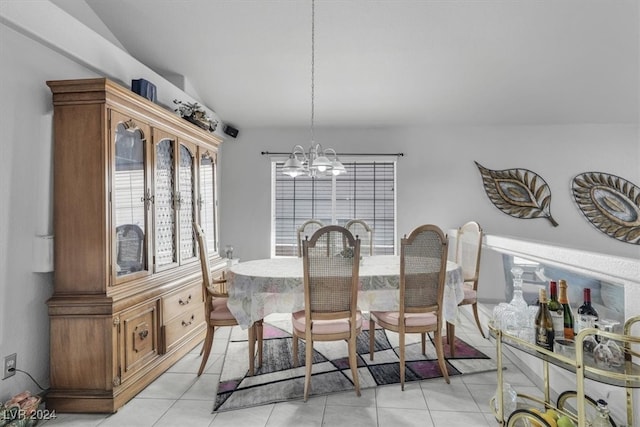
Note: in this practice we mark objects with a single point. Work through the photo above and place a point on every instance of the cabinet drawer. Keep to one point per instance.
(178, 302)
(182, 325)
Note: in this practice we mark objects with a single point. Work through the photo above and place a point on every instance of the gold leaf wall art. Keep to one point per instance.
(520, 193)
(610, 203)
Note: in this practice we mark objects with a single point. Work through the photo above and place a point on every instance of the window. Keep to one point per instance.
(366, 191)
(207, 200)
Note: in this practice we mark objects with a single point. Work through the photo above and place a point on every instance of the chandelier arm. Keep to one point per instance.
(331, 151)
(298, 150)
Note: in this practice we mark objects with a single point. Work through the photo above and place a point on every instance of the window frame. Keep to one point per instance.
(347, 162)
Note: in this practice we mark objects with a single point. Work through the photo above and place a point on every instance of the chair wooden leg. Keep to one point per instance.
(401, 336)
(252, 349)
(423, 337)
(294, 349)
(440, 353)
(259, 334)
(206, 347)
(451, 338)
(477, 317)
(372, 337)
(308, 365)
(353, 363)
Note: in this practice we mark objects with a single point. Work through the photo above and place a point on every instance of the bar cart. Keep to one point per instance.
(626, 375)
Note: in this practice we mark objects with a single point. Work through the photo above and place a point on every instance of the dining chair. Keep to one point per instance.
(216, 312)
(360, 228)
(423, 265)
(467, 256)
(330, 296)
(307, 229)
(130, 248)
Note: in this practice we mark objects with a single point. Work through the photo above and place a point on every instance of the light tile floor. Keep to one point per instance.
(179, 397)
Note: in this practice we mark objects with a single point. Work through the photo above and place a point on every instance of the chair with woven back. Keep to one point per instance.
(331, 275)
(130, 248)
(467, 256)
(216, 312)
(423, 261)
(307, 229)
(360, 228)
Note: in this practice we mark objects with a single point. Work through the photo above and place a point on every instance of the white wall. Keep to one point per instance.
(438, 181)
(40, 42)
(26, 208)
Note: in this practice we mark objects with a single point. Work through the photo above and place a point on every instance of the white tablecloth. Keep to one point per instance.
(275, 285)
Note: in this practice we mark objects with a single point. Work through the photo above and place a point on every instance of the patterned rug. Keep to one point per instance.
(277, 380)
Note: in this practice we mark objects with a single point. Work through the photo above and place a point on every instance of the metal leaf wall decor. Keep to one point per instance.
(610, 203)
(520, 193)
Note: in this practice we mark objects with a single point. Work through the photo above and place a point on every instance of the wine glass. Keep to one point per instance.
(589, 342)
(608, 354)
(499, 312)
(617, 354)
(228, 250)
(602, 356)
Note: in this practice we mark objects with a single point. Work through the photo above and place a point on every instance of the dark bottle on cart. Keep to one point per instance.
(587, 316)
(586, 308)
(544, 323)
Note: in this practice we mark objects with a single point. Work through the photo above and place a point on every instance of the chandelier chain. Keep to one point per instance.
(316, 162)
(313, 65)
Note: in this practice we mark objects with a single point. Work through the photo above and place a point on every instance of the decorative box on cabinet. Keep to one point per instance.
(129, 179)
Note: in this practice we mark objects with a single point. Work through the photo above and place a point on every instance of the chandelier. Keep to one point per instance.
(317, 161)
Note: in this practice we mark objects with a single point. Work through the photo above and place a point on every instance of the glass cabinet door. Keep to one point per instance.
(164, 210)
(186, 205)
(130, 197)
(208, 200)
(174, 207)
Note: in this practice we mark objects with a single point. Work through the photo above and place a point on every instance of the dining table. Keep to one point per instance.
(261, 287)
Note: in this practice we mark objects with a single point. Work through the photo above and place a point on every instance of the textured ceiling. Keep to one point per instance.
(388, 62)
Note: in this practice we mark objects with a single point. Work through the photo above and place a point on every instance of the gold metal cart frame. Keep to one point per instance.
(627, 376)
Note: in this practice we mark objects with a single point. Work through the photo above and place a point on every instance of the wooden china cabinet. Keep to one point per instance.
(130, 177)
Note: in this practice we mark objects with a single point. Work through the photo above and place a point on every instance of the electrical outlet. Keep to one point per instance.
(9, 369)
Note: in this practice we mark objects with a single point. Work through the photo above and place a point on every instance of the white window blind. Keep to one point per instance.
(366, 191)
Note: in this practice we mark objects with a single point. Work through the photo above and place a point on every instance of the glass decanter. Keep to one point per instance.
(519, 306)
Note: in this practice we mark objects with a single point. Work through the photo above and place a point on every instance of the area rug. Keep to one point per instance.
(277, 380)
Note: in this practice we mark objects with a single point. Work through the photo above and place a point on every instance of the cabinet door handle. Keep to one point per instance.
(185, 324)
(143, 334)
(185, 302)
(177, 200)
(148, 199)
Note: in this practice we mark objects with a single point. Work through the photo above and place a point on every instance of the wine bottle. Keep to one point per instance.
(569, 329)
(587, 314)
(556, 310)
(586, 307)
(544, 324)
